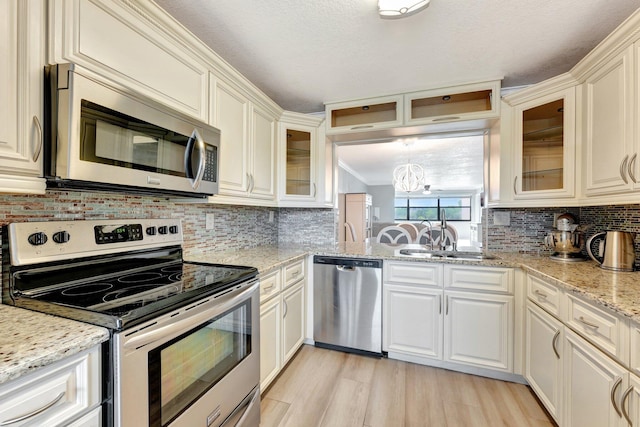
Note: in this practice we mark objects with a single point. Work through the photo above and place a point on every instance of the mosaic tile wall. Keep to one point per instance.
(235, 227)
(307, 226)
(529, 226)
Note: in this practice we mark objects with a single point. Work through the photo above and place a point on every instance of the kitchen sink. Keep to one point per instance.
(429, 254)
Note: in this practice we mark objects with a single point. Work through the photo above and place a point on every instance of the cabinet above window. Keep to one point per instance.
(453, 108)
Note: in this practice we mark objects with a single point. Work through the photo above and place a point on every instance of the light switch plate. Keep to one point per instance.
(501, 218)
(208, 222)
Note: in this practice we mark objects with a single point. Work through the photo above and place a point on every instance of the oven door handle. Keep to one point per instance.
(239, 416)
(196, 316)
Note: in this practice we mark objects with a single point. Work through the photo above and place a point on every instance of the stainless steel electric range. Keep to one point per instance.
(184, 349)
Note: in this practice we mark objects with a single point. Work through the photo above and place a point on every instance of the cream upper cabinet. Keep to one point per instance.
(609, 156)
(130, 46)
(21, 89)
(463, 102)
(247, 149)
(364, 114)
(544, 146)
(300, 168)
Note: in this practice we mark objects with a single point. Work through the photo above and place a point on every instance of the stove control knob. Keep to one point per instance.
(37, 239)
(163, 229)
(61, 237)
(173, 229)
(151, 231)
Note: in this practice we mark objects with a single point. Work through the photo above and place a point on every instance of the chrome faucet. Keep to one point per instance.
(443, 228)
(430, 231)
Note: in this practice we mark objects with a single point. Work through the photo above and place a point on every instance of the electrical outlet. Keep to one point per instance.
(208, 221)
(501, 218)
(270, 216)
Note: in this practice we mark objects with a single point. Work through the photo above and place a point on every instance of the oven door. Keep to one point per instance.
(196, 366)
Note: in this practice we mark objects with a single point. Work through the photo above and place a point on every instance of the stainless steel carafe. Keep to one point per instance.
(616, 250)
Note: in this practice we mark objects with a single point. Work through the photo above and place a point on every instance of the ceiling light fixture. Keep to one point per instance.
(427, 189)
(400, 8)
(408, 177)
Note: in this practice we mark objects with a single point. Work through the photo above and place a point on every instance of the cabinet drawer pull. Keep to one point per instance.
(540, 294)
(440, 304)
(442, 119)
(268, 288)
(38, 149)
(632, 164)
(286, 308)
(613, 395)
(515, 189)
(297, 272)
(35, 412)
(446, 305)
(623, 403)
(623, 166)
(554, 343)
(362, 127)
(587, 323)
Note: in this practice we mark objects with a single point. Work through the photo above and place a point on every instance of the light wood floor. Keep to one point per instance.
(328, 388)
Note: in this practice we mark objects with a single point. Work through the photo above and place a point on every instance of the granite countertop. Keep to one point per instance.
(619, 291)
(30, 340)
(26, 345)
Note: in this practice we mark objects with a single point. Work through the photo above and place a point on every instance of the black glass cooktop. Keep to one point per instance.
(123, 292)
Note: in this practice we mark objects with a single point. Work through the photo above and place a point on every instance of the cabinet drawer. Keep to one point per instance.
(68, 387)
(544, 295)
(602, 327)
(486, 279)
(293, 272)
(413, 273)
(270, 285)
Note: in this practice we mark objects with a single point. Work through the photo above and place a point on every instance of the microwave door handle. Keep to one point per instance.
(194, 143)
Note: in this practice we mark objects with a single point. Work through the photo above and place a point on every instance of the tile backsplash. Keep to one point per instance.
(235, 227)
(528, 226)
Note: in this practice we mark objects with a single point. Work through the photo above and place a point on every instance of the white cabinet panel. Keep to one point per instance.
(263, 170)
(593, 385)
(543, 358)
(22, 31)
(292, 321)
(124, 45)
(608, 126)
(270, 339)
(413, 320)
(66, 389)
(479, 329)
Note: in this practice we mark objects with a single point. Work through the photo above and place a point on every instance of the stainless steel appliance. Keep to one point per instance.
(347, 304)
(102, 137)
(185, 335)
(567, 241)
(616, 250)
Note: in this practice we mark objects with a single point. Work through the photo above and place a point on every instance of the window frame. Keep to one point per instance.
(438, 208)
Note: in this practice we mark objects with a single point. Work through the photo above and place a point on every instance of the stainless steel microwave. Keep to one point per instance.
(101, 137)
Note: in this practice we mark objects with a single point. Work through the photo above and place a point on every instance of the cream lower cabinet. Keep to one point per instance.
(56, 395)
(282, 318)
(449, 315)
(593, 385)
(543, 366)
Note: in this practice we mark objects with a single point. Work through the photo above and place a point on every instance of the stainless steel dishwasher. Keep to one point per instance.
(347, 304)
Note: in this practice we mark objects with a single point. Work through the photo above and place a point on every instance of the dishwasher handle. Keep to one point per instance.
(347, 268)
(347, 262)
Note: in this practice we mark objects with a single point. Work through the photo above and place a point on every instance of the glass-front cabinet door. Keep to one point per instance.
(298, 160)
(544, 137)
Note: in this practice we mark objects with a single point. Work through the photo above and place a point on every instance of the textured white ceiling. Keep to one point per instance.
(449, 163)
(303, 53)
